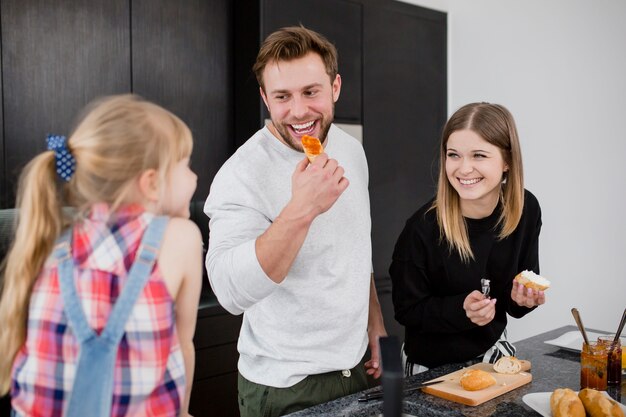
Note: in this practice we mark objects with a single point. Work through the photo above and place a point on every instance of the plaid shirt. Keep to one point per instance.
(149, 369)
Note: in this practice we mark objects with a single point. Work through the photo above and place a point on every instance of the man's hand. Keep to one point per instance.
(375, 330)
(479, 309)
(526, 297)
(372, 367)
(315, 187)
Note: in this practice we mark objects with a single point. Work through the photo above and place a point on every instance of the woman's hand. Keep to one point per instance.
(526, 297)
(479, 310)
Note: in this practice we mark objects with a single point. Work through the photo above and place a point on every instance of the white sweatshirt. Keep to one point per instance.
(315, 321)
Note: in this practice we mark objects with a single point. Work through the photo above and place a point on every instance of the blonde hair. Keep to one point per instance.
(116, 139)
(495, 124)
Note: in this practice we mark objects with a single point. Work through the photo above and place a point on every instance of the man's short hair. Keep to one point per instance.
(294, 42)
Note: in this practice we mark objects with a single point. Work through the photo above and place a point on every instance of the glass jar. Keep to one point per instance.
(614, 361)
(593, 366)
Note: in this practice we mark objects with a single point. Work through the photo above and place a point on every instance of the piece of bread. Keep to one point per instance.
(312, 147)
(599, 405)
(531, 280)
(476, 379)
(565, 403)
(508, 365)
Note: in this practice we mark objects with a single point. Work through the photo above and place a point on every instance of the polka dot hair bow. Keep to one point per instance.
(65, 162)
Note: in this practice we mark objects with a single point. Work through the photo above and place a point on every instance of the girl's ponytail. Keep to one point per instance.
(39, 223)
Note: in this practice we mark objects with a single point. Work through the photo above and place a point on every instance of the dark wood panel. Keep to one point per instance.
(181, 59)
(56, 57)
(216, 361)
(341, 22)
(215, 397)
(404, 110)
(248, 117)
(217, 330)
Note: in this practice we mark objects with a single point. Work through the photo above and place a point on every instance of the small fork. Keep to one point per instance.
(485, 288)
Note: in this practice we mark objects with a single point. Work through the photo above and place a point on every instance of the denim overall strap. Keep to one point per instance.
(92, 392)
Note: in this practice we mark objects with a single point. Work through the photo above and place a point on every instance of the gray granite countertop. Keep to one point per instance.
(552, 367)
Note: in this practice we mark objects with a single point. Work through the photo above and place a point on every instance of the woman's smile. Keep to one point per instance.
(470, 181)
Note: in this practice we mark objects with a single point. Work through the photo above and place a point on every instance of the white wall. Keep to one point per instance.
(560, 68)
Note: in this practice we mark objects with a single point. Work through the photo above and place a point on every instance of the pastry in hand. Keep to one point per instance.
(508, 365)
(565, 403)
(476, 379)
(531, 280)
(599, 405)
(312, 147)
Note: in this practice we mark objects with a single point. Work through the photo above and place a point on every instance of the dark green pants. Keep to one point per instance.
(256, 400)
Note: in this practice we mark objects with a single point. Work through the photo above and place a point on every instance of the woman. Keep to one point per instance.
(482, 224)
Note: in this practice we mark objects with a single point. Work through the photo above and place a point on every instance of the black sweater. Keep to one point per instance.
(430, 283)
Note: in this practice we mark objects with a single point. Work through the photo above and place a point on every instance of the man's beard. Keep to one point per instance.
(289, 140)
(297, 146)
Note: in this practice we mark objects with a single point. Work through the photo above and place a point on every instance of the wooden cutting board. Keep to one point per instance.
(452, 390)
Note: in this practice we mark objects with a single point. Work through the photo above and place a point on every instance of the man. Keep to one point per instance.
(290, 240)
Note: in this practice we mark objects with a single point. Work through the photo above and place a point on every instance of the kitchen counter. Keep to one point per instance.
(552, 367)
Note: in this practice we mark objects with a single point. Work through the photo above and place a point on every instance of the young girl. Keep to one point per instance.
(482, 224)
(126, 163)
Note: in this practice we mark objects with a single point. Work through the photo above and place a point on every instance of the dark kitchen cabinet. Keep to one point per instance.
(404, 110)
(181, 59)
(404, 102)
(58, 56)
(215, 381)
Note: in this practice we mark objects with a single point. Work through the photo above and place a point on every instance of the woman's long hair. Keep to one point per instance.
(495, 124)
(117, 139)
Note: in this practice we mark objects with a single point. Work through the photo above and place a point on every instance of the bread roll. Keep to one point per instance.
(476, 379)
(565, 403)
(531, 280)
(599, 405)
(312, 147)
(508, 365)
